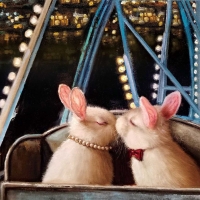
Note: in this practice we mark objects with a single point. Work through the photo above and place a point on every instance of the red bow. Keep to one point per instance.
(138, 153)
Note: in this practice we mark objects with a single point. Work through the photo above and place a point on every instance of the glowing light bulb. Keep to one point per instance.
(16, 18)
(126, 87)
(22, 47)
(159, 55)
(196, 101)
(195, 71)
(37, 8)
(2, 103)
(120, 60)
(114, 32)
(154, 95)
(17, 61)
(121, 68)
(196, 56)
(33, 20)
(11, 76)
(194, 5)
(196, 64)
(158, 48)
(157, 67)
(195, 79)
(196, 49)
(196, 86)
(156, 77)
(6, 90)
(28, 33)
(196, 41)
(155, 86)
(196, 115)
(129, 96)
(159, 38)
(123, 78)
(196, 94)
(132, 105)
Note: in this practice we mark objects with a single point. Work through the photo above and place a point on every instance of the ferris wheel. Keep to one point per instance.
(188, 11)
(190, 20)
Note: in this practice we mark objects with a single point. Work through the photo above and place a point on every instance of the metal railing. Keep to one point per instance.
(191, 23)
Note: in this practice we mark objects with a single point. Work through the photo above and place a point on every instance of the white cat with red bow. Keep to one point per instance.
(156, 159)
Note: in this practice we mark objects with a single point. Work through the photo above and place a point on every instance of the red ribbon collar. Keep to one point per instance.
(138, 153)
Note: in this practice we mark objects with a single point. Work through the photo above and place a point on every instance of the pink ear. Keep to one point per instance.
(149, 113)
(64, 92)
(78, 103)
(171, 104)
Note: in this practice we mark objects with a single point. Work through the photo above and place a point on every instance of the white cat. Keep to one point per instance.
(156, 159)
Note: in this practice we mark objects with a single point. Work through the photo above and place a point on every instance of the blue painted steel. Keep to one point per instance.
(78, 76)
(87, 57)
(198, 52)
(195, 26)
(192, 13)
(164, 54)
(89, 50)
(65, 116)
(197, 17)
(32, 58)
(172, 88)
(128, 63)
(166, 71)
(95, 43)
(188, 34)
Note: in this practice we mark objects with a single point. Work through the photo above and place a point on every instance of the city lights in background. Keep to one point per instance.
(17, 22)
(151, 15)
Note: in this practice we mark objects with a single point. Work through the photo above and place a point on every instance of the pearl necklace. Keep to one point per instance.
(89, 144)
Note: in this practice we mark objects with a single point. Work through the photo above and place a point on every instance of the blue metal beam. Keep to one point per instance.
(90, 48)
(186, 25)
(164, 54)
(166, 71)
(98, 32)
(81, 68)
(18, 90)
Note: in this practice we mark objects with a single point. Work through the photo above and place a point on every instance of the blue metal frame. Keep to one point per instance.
(191, 23)
(27, 70)
(198, 53)
(188, 18)
(188, 34)
(90, 48)
(164, 54)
